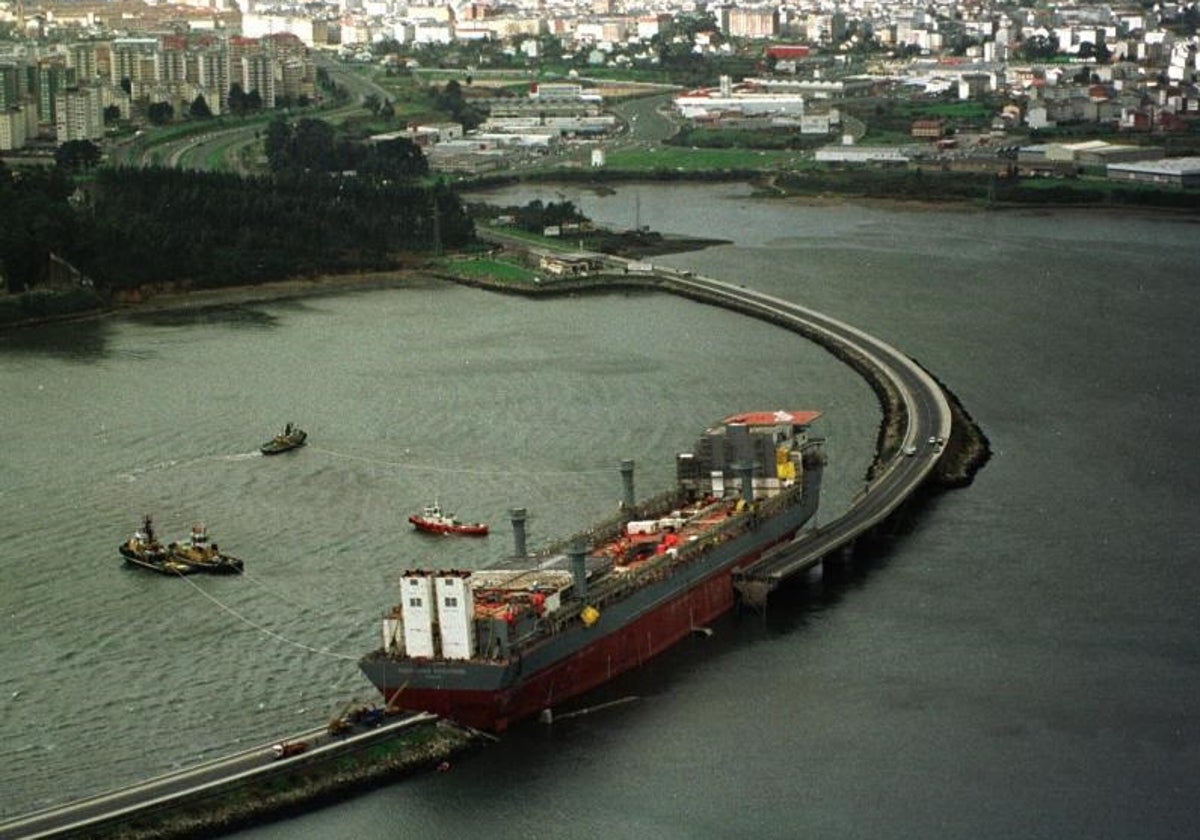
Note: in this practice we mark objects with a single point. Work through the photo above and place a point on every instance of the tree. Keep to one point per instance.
(77, 154)
(276, 143)
(386, 46)
(160, 113)
(112, 114)
(312, 146)
(398, 158)
(35, 221)
(450, 98)
(550, 48)
(1037, 48)
(450, 101)
(237, 100)
(200, 109)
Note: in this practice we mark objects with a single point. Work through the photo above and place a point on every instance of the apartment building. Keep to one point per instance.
(79, 115)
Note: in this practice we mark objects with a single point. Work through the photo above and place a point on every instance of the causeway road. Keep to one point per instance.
(927, 420)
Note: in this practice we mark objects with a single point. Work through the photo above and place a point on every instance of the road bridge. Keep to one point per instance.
(920, 405)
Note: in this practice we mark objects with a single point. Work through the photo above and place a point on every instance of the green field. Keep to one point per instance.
(698, 160)
(488, 269)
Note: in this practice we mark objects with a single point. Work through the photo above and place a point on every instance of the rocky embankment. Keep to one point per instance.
(305, 787)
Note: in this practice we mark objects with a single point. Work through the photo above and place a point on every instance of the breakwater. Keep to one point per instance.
(224, 797)
(967, 448)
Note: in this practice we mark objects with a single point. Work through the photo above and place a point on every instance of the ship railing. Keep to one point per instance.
(663, 566)
(614, 587)
(611, 528)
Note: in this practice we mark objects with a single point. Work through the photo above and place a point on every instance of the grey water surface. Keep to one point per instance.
(1022, 660)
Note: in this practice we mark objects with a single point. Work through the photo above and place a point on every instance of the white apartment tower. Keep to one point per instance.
(79, 115)
(258, 73)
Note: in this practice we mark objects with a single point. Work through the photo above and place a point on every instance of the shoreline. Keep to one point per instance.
(929, 205)
(176, 299)
(302, 287)
(170, 296)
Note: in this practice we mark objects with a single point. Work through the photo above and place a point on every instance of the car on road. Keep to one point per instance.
(910, 451)
(287, 749)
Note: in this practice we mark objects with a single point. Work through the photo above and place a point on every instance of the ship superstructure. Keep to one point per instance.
(490, 647)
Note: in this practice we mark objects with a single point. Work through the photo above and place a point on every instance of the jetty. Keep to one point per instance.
(253, 785)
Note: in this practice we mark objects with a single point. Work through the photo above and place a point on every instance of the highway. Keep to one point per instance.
(227, 148)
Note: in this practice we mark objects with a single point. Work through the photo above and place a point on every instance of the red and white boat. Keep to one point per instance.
(433, 520)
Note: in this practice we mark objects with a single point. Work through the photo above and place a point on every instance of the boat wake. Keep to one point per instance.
(432, 468)
(239, 456)
(134, 475)
(549, 717)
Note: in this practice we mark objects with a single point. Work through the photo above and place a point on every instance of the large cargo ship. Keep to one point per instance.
(489, 647)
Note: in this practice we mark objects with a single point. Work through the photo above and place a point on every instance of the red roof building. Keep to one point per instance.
(787, 51)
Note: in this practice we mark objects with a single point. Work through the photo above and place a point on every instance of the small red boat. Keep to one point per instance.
(432, 520)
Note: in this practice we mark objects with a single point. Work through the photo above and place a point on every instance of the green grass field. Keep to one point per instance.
(489, 269)
(699, 160)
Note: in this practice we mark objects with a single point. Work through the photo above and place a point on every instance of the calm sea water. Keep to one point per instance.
(1022, 660)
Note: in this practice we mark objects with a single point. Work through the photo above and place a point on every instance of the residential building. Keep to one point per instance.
(13, 132)
(79, 115)
(743, 22)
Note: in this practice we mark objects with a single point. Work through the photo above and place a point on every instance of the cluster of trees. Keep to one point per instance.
(312, 145)
(729, 138)
(34, 213)
(449, 100)
(75, 155)
(1043, 48)
(535, 216)
(131, 227)
(241, 104)
(221, 230)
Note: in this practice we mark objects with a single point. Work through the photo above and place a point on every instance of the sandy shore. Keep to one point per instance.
(281, 290)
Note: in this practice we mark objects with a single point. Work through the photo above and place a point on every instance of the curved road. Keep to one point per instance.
(223, 148)
(928, 426)
(926, 407)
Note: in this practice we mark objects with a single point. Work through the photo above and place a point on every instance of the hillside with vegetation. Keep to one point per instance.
(328, 206)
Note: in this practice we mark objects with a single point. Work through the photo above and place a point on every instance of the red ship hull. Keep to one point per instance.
(626, 648)
(477, 530)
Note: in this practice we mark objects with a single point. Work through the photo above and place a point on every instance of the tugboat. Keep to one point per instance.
(292, 437)
(432, 520)
(200, 555)
(143, 549)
